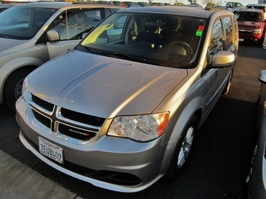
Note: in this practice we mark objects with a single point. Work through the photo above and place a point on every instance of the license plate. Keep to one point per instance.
(240, 39)
(51, 150)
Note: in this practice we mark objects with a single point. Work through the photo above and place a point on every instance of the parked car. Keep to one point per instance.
(256, 178)
(251, 25)
(234, 6)
(4, 7)
(28, 38)
(256, 6)
(121, 110)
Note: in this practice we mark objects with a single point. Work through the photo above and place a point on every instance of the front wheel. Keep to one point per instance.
(183, 149)
(13, 87)
(228, 84)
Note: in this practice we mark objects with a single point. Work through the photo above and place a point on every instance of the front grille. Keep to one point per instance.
(70, 123)
(42, 119)
(46, 105)
(83, 118)
(246, 31)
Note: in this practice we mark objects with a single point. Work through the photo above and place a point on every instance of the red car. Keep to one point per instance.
(251, 25)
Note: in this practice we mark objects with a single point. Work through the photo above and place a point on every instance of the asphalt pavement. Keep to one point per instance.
(17, 181)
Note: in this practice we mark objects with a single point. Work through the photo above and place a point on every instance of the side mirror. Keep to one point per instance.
(223, 59)
(262, 76)
(53, 36)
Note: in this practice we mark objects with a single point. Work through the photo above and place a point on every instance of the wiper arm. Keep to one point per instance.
(134, 58)
(124, 56)
(6, 36)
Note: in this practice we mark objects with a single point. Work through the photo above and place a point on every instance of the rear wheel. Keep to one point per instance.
(183, 149)
(13, 87)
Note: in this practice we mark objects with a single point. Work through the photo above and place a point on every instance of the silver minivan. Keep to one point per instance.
(121, 110)
(27, 38)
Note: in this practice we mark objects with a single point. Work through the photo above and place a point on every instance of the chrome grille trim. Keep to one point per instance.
(70, 124)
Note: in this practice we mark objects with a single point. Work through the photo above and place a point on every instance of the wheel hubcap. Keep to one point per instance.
(186, 147)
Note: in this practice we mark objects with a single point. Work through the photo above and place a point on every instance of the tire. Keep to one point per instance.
(13, 87)
(228, 84)
(262, 39)
(183, 149)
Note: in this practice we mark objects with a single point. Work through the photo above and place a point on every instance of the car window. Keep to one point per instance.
(228, 27)
(70, 26)
(23, 22)
(151, 38)
(216, 43)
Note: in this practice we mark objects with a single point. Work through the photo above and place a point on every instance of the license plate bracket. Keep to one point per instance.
(51, 150)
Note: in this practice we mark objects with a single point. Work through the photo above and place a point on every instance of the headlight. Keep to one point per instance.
(140, 128)
(25, 87)
(257, 31)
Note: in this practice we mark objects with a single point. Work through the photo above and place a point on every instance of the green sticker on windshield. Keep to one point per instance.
(200, 30)
(199, 33)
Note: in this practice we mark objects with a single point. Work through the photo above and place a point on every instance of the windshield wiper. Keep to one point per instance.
(124, 56)
(6, 36)
(132, 58)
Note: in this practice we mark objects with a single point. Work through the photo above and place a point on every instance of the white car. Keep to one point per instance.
(25, 33)
(256, 178)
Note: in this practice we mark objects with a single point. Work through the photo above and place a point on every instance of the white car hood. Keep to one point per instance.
(10, 43)
(103, 86)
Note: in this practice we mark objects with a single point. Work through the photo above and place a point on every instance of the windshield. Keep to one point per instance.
(160, 39)
(23, 22)
(249, 16)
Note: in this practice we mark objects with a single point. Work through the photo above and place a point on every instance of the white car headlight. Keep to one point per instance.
(140, 128)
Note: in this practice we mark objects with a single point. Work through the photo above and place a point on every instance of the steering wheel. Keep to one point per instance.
(179, 48)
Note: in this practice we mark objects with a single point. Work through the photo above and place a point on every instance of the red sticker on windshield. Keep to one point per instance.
(201, 27)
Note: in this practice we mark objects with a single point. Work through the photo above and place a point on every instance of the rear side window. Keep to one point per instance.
(217, 38)
(228, 27)
(216, 43)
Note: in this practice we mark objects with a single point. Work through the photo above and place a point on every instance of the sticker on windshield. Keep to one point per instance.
(200, 31)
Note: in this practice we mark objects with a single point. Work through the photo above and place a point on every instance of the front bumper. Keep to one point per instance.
(110, 163)
(249, 37)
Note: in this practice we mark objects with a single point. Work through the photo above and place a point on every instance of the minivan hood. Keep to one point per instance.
(7, 44)
(249, 24)
(103, 86)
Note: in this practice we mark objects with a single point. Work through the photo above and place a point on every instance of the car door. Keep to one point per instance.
(216, 78)
(71, 28)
